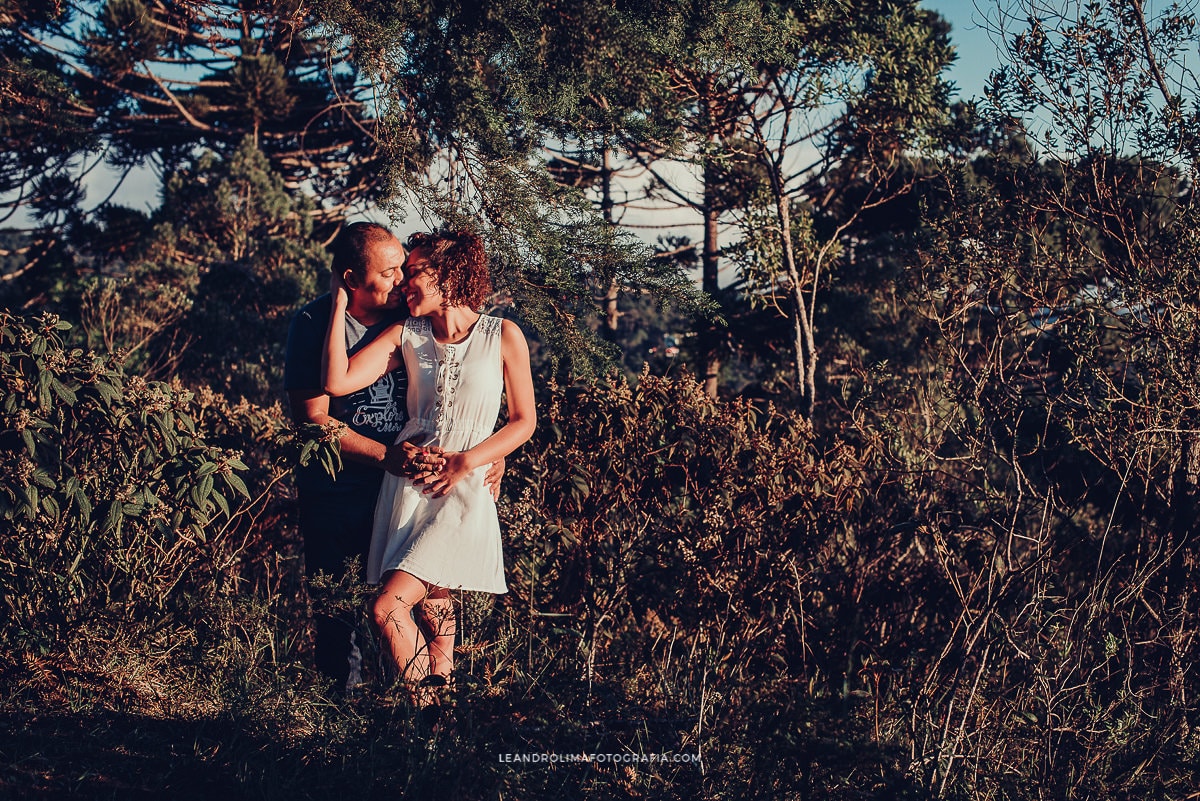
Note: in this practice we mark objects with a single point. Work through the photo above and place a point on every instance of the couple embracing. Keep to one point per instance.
(399, 352)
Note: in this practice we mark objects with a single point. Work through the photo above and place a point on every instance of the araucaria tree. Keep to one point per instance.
(756, 117)
(432, 107)
(132, 83)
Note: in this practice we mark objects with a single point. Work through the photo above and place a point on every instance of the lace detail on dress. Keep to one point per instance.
(449, 372)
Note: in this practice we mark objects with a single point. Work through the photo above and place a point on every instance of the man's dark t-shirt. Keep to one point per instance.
(336, 515)
(377, 412)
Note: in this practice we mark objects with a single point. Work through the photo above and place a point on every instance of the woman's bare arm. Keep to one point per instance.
(342, 374)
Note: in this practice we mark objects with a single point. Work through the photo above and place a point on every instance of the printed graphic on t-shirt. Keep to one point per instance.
(379, 407)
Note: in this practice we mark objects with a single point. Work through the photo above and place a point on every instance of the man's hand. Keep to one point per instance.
(398, 458)
(495, 472)
(412, 461)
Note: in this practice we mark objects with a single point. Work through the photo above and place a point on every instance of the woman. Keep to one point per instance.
(440, 531)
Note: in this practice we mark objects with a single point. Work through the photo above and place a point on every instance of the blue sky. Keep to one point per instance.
(976, 51)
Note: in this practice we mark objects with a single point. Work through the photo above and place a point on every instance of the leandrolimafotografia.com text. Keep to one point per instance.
(627, 758)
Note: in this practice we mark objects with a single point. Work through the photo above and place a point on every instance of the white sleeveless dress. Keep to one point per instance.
(453, 402)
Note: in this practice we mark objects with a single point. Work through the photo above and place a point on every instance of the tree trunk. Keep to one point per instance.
(710, 349)
(612, 314)
(804, 342)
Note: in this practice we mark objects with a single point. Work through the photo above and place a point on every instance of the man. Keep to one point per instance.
(336, 513)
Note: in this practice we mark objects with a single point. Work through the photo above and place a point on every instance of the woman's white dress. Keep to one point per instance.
(453, 402)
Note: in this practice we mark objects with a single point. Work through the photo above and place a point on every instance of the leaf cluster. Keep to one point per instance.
(119, 496)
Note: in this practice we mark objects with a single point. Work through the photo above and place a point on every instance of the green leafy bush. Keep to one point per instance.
(119, 496)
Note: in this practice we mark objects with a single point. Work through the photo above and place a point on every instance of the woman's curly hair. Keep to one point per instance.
(459, 266)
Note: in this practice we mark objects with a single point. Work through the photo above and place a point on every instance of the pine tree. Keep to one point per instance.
(225, 261)
(145, 82)
(432, 106)
(733, 105)
(785, 105)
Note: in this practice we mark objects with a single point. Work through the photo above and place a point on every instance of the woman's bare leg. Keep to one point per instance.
(439, 625)
(404, 643)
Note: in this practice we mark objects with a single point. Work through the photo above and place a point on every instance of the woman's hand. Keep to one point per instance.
(456, 466)
(425, 465)
(338, 289)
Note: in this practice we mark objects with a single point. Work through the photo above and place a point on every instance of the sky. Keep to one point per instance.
(977, 53)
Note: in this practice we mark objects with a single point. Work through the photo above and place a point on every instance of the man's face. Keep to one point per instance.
(379, 288)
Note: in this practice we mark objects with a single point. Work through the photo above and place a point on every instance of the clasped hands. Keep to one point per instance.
(437, 470)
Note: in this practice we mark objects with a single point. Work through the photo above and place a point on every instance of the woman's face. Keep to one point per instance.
(420, 285)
